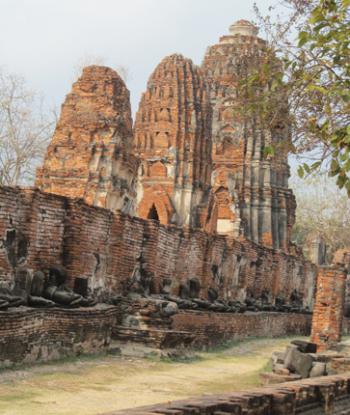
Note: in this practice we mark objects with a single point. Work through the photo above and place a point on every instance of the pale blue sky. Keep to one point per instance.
(45, 39)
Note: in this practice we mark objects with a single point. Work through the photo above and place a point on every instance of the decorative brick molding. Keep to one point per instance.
(173, 140)
(251, 190)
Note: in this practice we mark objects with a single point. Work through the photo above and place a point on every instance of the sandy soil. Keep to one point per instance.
(92, 386)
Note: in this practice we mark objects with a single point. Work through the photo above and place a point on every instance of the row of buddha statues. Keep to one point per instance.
(44, 288)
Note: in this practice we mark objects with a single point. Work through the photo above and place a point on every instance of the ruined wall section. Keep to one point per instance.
(32, 228)
(89, 156)
(328, 313)
(212, 329)
(30, 335)
(252, 191)
(173, 139)
(318, 396)
(106, 248)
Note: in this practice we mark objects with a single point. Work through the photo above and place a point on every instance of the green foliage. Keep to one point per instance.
(308, 82)
(323, 70)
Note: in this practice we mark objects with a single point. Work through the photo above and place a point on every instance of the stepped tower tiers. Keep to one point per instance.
(251, 191)
(172, 137)
(89, 156)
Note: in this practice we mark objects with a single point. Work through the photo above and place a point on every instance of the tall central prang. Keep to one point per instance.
(251, 191)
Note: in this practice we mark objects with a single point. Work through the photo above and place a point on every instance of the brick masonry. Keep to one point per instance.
(30, 335)
(251, 190)
(40, 229)
(214, 328)
(172, 137)
(89, 155)
(202, 172)
(329, 307)
(317, 396)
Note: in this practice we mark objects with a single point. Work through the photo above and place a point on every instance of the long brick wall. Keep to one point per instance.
(214, 328)
(317, 396)
(32, 229)
(30, 335)
(40, 229)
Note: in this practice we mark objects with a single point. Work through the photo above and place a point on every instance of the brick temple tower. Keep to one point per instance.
(172, 137)
(251, 191)
(89, 156)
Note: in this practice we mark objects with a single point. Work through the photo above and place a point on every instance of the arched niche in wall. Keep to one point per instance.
(153, 214)
(226, 147)
(223, 200)
(228, 142)
(156, 200)
(225, 216)
(165, 114)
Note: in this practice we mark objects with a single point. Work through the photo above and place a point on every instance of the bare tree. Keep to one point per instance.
(124, 72)
(88, 60)
(25, 130)
(324, 210)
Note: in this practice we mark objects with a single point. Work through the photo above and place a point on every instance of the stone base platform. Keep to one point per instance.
(30, 335)
(160, 339)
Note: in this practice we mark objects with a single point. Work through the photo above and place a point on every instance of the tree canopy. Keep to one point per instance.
(311, 42)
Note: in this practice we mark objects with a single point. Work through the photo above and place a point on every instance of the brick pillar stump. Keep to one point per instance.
(329, 308)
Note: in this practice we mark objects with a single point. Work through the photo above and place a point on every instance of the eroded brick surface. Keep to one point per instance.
(173, 140)
(251, 190)
(317, 396)
(105, 247)
(329, 307)
(89, 156)
(188, 197)
(214, 328)
(29, 335)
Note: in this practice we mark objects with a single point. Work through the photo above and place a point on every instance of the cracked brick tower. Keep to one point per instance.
(89, 156)
(251, 190)
(173, 140)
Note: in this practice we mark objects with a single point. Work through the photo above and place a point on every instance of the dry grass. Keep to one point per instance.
(98, 385)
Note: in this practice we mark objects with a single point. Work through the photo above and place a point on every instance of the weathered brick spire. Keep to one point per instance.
(251, 191)
(173, 140)
(89, 155)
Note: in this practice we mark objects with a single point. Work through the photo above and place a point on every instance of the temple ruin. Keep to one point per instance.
(90, 155)
(178, 226)
(173, 142)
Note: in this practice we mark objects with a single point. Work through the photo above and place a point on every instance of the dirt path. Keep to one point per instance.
(94, 386)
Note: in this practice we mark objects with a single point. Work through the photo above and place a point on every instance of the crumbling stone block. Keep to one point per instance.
(318, 369)
(297, 362)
